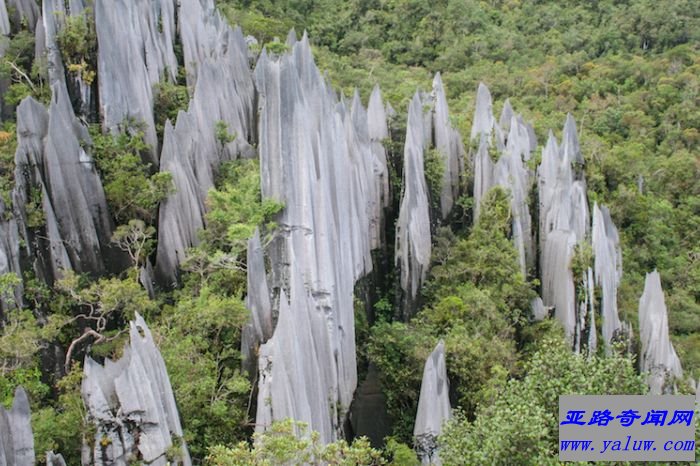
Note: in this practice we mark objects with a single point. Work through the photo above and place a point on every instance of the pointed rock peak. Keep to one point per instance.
(292, 37)
(415, 111)
(659, 359)
(483, 112)
(570, 145)
(506, 115)
(437, 83)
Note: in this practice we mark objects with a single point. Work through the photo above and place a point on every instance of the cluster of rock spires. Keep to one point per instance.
(428, 128)
(132, 406)
(566, 228)
(131, 403)
(433, 406)
(317, 157)
(323, 158)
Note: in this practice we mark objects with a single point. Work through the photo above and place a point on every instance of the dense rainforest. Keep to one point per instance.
(628, 71)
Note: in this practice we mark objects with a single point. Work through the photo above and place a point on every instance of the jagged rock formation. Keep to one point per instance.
(135, 51)
(259, 328)
(53, 459)
(132, 405)
(16, 440)
(9, 257)
(217, 68)
(514, 141)
(433, 406)
(608, 269)
(564, 223)
(658, 358)
(58, 198)
(378, 131)
(448, 143)
(316, 158)
(413, 243)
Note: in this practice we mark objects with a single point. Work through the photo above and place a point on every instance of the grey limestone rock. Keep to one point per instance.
(131, 403)
(223, 91)
(55, 173)
(9, 256)
(658, 358)
(514, 140)
(24, 10)
(558, 281)
(433, 406)
(4, 19)
(135, 51)
(54, 459)
(317, 158)
(413, 241)
(16, 439)
(449, 145)
(608, 269)
(259, 328)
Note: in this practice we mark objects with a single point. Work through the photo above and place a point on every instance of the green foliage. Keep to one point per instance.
(276, 47)
(199, 339)
(77, 41)
(222, 134)
(132, 191)
(289, 443)
(62, 425)
(434, 168)
(476, 300)
(136, 239)
(518, 425)
(236, 208)
(168, 99)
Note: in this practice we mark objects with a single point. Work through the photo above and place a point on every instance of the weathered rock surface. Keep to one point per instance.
(413, 241)
(58, 198)
(16, 439)
(509, 171)
(608, 269)
(53, 459)
(564, 223)
(449, 145)
(658, 358)
(9, 256)
(135, 51)
(217, 67)
(316, 158)
(259, 328)
(433, 406)
(131, 403)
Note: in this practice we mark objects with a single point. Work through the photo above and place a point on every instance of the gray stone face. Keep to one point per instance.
(135, 42)
(4, 19)
(564, 222)
(658, 359)
(558, 281)
(509, 171)
(413, 243)
(317, 158)
(259, 328)
(608, 269)
(449, 145)
(16, 439)
(24, 10)
(433, 406)
(9, 256)
(131, 403)
(55, 174)
(223, 91)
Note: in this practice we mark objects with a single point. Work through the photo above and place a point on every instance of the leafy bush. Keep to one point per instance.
(132, 191)
(518, 424)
